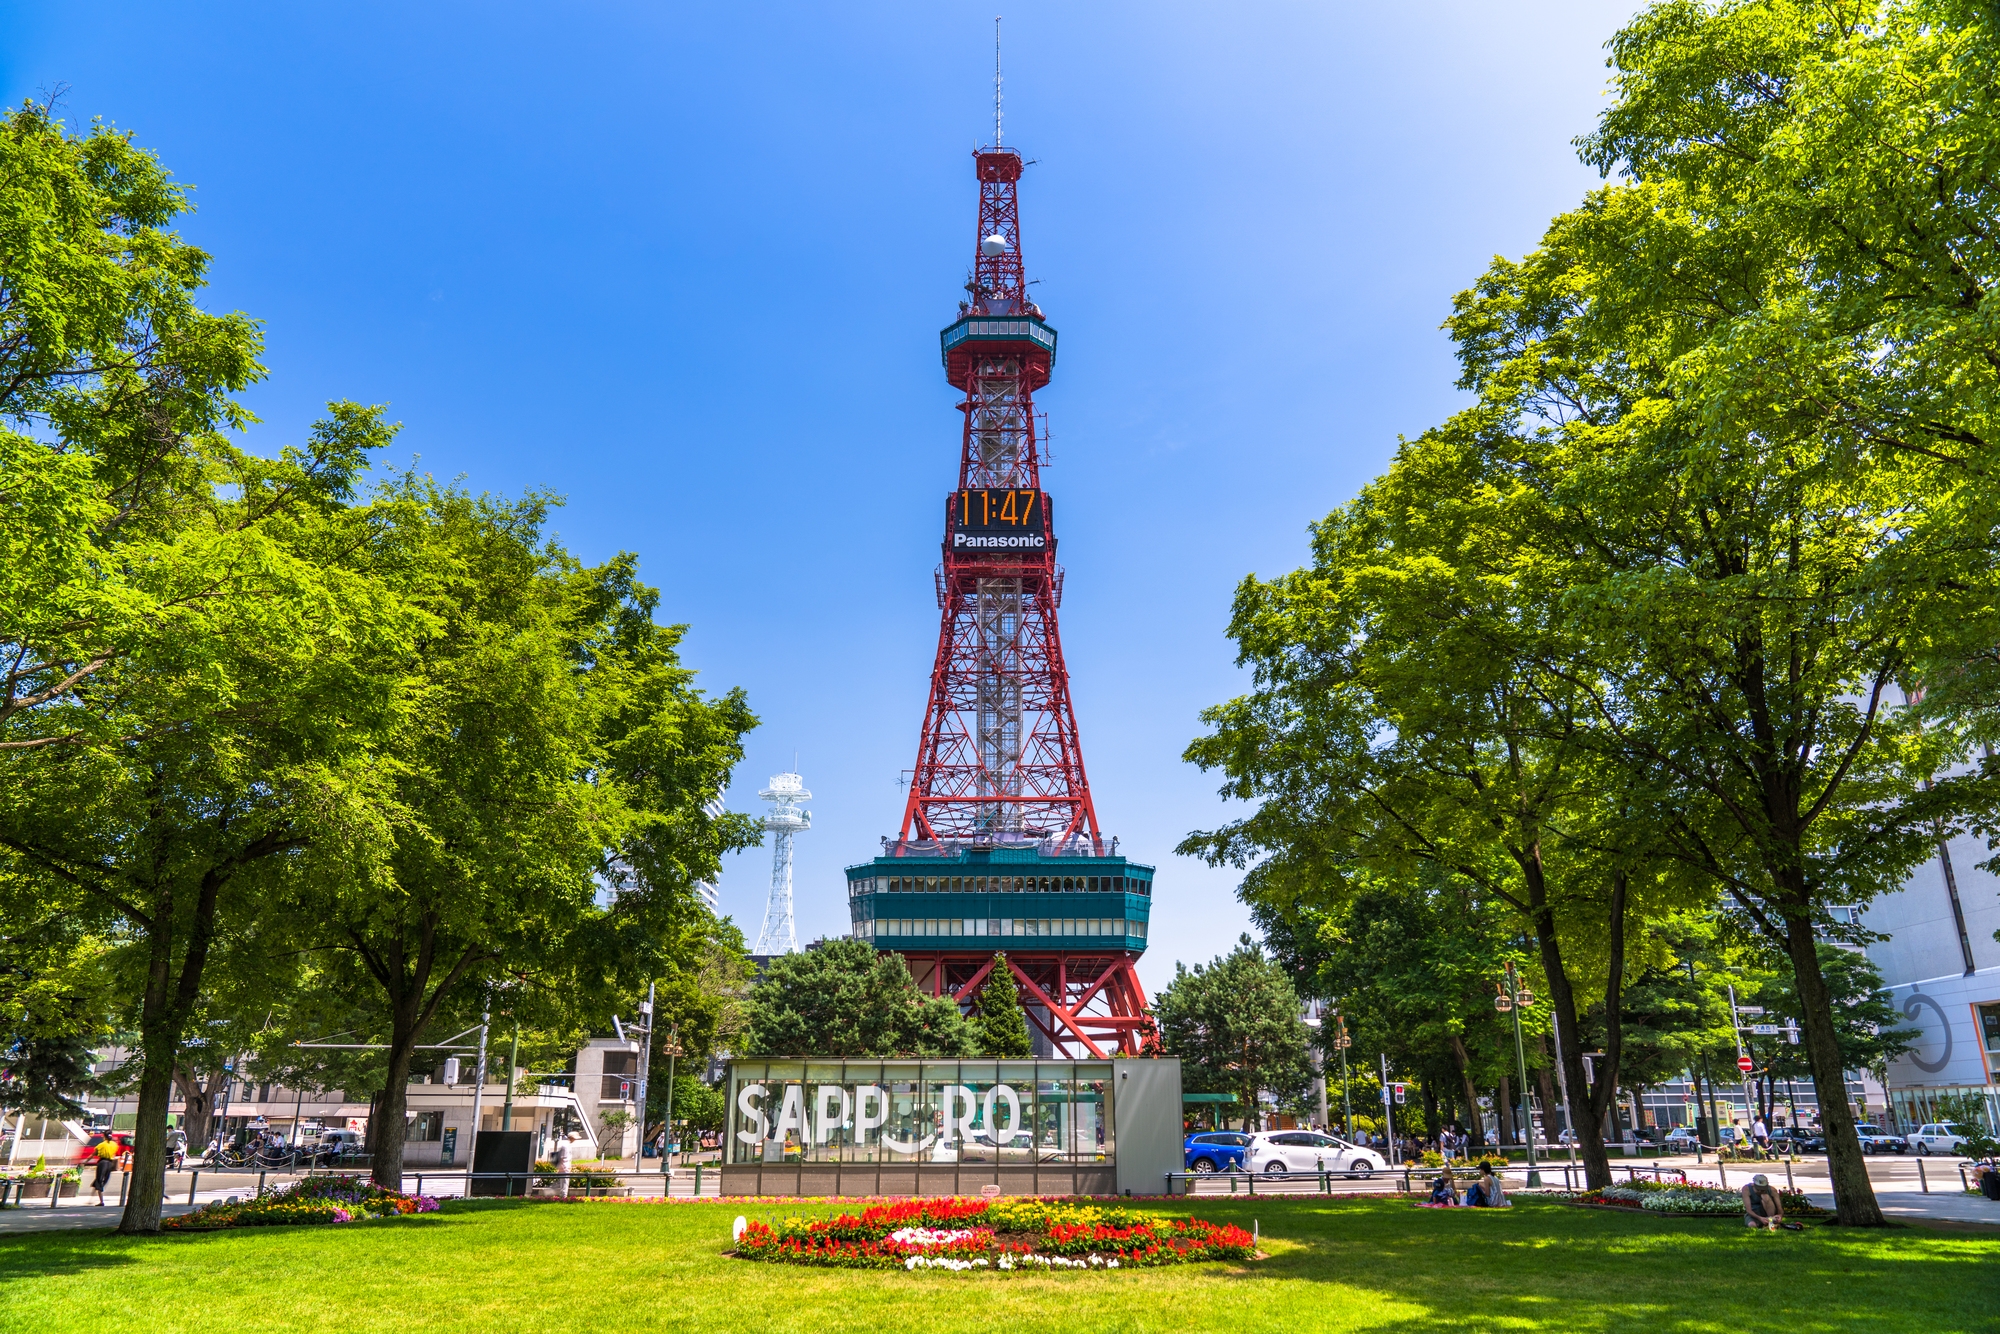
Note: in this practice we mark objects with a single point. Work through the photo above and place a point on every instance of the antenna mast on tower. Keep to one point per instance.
(996, 80)
(779, 935)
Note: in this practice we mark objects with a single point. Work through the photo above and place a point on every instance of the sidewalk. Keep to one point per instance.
(70, 1216)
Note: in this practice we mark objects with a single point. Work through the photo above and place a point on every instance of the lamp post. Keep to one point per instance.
(1341, 1042)
(1512, 1000)
(673, 1050)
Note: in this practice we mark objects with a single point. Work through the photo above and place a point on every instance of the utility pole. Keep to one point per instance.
(513, 1077)
(1562, 1087)
(1388, 1111)
(478, 1091)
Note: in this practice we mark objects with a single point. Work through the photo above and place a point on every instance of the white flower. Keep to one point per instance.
(919, 1236)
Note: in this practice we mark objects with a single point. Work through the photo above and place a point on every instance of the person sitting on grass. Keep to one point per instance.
(1486, 1192)
(1761, 1207)
(1444, 1190)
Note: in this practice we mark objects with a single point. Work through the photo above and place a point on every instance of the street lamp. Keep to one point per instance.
(1341, 1042)
(672, 1047)
(1513, 1000)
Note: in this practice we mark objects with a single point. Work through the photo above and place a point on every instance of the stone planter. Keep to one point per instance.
(37, 1188)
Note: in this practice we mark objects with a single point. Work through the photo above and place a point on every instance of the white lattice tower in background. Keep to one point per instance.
(786, 818)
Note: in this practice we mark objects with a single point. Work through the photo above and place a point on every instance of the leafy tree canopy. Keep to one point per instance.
(846, 999)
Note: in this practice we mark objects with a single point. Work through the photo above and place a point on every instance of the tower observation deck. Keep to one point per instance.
(1000, 848)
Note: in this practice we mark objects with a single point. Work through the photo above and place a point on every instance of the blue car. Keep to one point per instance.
(1216, 1151)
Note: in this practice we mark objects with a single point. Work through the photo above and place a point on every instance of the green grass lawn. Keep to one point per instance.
(1334, 1265)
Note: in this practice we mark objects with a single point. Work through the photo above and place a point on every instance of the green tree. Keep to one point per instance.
(1235, 1023)
(1418, 710)
(1755, 385)
(846, 999)
(999, 1024)
(192, 672)
(1415, 969)
(1867, 1027)
(558, 752)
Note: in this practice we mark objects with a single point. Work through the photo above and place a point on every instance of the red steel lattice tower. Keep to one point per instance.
(1000, 851)
(999, 760)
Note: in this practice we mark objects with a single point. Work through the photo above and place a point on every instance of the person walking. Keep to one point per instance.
(565, 1160)
(104, 1156)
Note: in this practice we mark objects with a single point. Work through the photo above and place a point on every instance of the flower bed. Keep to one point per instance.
(1004, 1235)
(328, 1199)
(1673, 1197)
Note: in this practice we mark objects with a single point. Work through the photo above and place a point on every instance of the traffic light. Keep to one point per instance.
(1399, 1095)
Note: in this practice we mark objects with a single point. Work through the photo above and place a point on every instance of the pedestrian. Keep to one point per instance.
(1762, 1209)
(105, 1156)
(565, 1160)
(1761, 1133)
(1486, 1193)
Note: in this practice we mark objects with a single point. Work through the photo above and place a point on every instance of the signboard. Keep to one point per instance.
(1002, 522)
(1745, 1064)
(1749, 1009)
(1765, 1030)
(449, 1153)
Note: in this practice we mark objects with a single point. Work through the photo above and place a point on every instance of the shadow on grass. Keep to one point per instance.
(1542, 1265)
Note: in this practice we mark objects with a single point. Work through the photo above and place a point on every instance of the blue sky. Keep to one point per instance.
(686, 265)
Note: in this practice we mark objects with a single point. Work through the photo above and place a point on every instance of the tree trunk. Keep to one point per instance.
(146, 1191)
(389, 1129)
(1586, 1105)
(1854, 1197)
(1545, 1084)
(198, 1102)
(168, 1000)
(1504, 1097)
(1475, 1127)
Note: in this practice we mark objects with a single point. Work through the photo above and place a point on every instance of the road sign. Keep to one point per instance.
(1765, 1030)
(1745, 1064)
(1749, 1009)
(1387, 1094)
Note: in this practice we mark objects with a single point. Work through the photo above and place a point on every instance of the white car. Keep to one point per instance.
(1939, 1137)
(1309, 1151)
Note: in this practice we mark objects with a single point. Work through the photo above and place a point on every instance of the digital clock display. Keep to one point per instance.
(995, 520)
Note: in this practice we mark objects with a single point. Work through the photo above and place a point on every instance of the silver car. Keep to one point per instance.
(1309, 1151)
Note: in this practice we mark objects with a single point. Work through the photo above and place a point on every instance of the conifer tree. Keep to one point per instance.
(1001, 1027)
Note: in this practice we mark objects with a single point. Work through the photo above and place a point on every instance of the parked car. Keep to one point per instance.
(1874, 1139)
(1937, 1137)
(1680, 1140)
(1796, 1139)
(1216, 1151)
(1309, 1151)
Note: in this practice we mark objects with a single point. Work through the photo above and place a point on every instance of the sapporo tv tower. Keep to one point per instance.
(1000, 849)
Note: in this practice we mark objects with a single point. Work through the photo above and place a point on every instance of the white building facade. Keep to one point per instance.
(1941, 965)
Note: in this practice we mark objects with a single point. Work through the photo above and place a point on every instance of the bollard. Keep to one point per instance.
(1788, 1175)
(260, 1185)
(1324, 1188)
(1922, 1180)
(1722, 1171)
(1252, 1178)
(1232, 1183)
(697, 1180)
(193, 1177)
(55, 1190)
